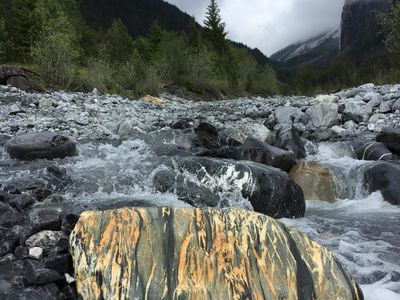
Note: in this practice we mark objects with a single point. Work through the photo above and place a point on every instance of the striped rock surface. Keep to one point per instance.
(163, 253)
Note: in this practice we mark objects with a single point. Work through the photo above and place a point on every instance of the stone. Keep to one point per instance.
(208, 135)
(257, 151)
(19, 201)
(391, 138)
(323, 114)
(15, 109)
(376, 117)
(44, 145)
(384, 177)
(269, 190)
(357, 111)
(373, 99)
(316, 181)
(396, 105)
(154, 100)
(201, 254)
(45, 218)
(35, 252)
(372, 151)
(45, 103)
(9, 216)
(288, 138)
(45, 239)
(325, 99)
(286, 114)
(61, 263)
(23, 83)
(384, 107)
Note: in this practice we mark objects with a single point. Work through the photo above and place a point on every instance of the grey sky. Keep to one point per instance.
(270, 25)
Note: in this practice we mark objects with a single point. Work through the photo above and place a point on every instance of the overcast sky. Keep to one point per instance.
(270, 25)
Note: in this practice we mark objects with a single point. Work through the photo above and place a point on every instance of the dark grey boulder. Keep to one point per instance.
(257, 151)
(269, 190)
(288, 138)
(372, 151)
(44, 145)
(9, 216)
(208, 135)
(384, 177)
(391, 138)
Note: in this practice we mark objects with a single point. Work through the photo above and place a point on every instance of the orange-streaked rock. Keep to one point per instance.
(153, 100)
(154, 253)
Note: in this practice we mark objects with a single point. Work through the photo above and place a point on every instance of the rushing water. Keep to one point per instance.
(361, 229)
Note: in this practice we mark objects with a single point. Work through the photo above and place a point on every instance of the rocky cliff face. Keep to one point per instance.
(359, 23)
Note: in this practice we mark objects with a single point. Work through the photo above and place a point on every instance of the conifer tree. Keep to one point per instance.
(215, 27)
(391, 24)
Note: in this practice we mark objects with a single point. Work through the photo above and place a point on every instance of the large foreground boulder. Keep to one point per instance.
(201, 254)
(372, 151)
(384, 177)
(315, 180)
(204, 182)
(257, 151)
(43, 145)
(288, 138)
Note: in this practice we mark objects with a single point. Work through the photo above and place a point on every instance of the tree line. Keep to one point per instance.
(52, 37)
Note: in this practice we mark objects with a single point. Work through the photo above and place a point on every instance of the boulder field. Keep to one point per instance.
(253, 153)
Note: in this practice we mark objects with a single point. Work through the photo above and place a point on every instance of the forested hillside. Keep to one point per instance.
(83, 47)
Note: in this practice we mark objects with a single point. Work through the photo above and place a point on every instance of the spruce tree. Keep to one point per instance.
(391, 24)
(215, 27)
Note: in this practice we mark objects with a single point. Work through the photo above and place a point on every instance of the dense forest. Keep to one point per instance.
(53, 38)
(76, 45)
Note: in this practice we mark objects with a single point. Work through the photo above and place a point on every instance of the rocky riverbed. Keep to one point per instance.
(243, 153)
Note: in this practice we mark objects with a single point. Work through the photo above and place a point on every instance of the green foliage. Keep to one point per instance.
(118, 42)
(56, 49)
(3, 41)
(391, 25)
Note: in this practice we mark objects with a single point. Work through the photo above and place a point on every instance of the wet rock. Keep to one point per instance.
(257, 151)
(269, 190)
(384, 177)
(37, 274)
(9, 216)
(44, 218)
(45, 239)
(323, 114)
(357, 111)
(60, 263)
(19, 201)
(288, 138)
(7, 259)
(9, 239)
(181, 124)
(391, 138)
(372, 151)
(208, 135)
(168, 181)
(315, 180)
(45, 145)
(216, 254)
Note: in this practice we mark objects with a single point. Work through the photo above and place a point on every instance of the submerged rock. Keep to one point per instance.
(201, 254)
(315, 180)
(44, 145)
(384, 177)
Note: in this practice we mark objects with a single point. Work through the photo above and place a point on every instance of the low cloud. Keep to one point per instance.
(271, 25)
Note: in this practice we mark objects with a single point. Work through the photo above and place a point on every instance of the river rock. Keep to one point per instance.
(45, 239)
(391, 138)
(288, 138)
(269, 190)
(384, 177)
(323, 114)
(208, 135)
(357, 111)
(315, 180)
(45, 145)
(201, 254)
(9, 216)
(286, 114)
(257, 151)
(372, 151)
